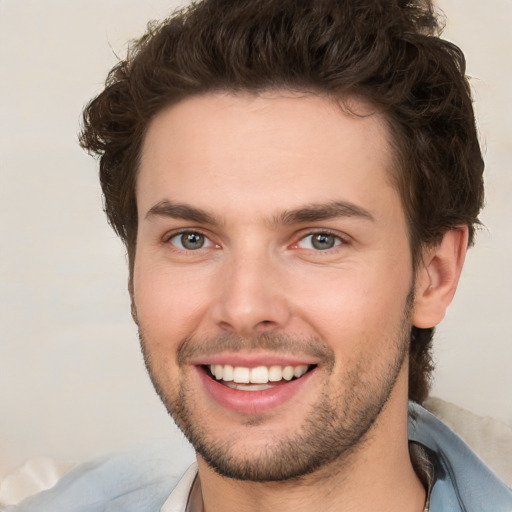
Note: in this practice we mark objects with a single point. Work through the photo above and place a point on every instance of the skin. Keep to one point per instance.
(247, 162)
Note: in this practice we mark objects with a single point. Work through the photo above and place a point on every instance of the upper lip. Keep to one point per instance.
(252, 360)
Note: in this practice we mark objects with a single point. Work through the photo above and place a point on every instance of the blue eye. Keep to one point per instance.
(319, 241)
(190, 241)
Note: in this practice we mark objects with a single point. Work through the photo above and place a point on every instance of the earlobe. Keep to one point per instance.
(437, 277)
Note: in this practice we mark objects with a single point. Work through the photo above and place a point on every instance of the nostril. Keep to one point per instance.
(265, 325)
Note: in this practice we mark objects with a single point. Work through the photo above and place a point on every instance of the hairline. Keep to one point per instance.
(342, 100)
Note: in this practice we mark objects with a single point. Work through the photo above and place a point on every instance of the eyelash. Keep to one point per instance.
(339, 240)
(169, 237)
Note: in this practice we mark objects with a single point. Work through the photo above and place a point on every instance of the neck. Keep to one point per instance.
(378, 475)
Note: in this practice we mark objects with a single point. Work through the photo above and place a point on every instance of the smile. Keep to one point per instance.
(245, 378)
(254, 389)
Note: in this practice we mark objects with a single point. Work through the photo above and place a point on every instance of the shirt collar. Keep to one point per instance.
(177, 500)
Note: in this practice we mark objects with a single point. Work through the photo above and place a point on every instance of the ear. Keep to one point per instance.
(437, 277)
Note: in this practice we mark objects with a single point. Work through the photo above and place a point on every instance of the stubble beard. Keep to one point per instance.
(334, 429)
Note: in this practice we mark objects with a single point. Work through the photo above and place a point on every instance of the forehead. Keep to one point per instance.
(263, 150)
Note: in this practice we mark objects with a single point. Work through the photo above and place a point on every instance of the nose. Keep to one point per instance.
(251, 297)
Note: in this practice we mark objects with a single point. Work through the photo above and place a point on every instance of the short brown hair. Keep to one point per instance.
(386, 51)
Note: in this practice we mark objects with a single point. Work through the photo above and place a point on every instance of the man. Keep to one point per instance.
(297, 183)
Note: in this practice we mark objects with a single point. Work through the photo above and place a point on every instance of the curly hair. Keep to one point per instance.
(388, 52)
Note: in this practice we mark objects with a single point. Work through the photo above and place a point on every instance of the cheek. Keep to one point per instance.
(349, 306)
(168, 303)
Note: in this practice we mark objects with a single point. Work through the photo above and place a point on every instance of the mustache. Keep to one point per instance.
(279, 343)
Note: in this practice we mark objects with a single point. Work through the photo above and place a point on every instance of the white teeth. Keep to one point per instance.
(248, 387)
(288, 373)
(259, 375)
(256, 375)
(275, 373)
(228, 373)
(299, 371)
(242, 375)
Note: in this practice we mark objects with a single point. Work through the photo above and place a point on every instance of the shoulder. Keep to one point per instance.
(139, 480)
(462, 481)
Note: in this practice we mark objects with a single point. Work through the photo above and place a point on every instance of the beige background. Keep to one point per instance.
(72, 384)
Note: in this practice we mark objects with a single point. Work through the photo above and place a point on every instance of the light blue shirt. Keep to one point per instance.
(154, 478)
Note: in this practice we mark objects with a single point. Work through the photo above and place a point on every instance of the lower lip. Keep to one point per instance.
(252, 402)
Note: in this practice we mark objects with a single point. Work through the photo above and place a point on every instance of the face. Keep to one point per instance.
(272, 279)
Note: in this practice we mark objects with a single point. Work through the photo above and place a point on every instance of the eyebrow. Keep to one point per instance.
(167, 208)
(318, 212)
(310, 213)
